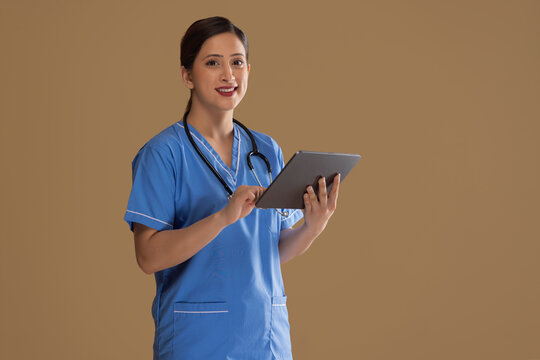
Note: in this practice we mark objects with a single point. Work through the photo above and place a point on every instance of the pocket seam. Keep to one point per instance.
(201, 307)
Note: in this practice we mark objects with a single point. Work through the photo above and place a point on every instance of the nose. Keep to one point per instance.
(227, 74)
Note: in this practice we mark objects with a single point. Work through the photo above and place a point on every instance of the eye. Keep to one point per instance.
(211, 63)
(238, 62)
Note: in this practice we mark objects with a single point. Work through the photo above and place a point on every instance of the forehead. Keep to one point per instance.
(224, 44)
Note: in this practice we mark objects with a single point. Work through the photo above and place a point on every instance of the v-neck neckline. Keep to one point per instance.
(201, 140)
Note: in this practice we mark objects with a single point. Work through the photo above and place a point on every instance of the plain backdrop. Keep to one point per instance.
(433, 252)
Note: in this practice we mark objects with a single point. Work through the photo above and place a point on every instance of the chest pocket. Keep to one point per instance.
(271, 220)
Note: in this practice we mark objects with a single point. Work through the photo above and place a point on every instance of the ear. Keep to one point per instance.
(186, 77)
(248, 67)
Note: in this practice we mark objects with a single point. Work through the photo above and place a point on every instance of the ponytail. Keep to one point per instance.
(188, 106)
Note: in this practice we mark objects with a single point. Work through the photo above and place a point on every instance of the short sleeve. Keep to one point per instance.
(151, 201)
(293, 215)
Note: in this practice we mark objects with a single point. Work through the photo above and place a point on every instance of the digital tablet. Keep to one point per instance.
(304, 169)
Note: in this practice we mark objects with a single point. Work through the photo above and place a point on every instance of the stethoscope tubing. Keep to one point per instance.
(253, 152)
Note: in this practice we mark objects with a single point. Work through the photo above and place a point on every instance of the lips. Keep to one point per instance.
(227, 90)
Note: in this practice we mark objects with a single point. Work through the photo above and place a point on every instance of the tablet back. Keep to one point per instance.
(303, 169)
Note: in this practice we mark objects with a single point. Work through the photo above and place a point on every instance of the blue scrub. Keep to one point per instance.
(228, 300)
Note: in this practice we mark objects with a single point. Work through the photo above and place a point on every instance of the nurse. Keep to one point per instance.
(216, 258)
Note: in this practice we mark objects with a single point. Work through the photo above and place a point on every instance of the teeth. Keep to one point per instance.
(226, 90)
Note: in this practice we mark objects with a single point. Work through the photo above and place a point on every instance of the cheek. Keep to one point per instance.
(202, 79)
(244, 81)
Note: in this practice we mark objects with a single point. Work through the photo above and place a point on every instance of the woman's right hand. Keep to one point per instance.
(241, 203)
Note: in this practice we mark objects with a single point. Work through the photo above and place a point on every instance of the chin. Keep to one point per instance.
(226, 108)
(230, 106)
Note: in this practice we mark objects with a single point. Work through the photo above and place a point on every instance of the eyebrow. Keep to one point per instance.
(218, 55)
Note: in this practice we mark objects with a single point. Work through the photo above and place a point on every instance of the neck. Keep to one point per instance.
(211, 124)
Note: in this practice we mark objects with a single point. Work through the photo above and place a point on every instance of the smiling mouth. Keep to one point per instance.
(227, 91)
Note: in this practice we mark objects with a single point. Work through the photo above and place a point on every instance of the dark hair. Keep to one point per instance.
(198, 33)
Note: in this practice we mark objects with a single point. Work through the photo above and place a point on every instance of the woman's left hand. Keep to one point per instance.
(318, 212)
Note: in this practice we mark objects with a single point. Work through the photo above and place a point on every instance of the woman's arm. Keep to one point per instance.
(294, 242)
(158, 250)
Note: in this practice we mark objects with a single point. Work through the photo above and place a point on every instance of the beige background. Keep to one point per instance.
(434, 250)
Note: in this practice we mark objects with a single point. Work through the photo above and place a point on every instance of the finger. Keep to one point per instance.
(260, 192)
(254, 193)
(322, 192)
(334, 192)
(307, 203)
(312, 197)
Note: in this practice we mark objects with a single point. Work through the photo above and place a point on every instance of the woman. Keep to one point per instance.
(216, 258)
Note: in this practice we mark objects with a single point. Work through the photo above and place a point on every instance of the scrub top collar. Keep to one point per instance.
(230, 174)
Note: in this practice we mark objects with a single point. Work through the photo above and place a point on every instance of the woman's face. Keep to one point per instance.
(219, 76)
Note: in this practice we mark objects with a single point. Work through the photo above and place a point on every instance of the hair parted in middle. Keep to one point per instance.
(200, 31)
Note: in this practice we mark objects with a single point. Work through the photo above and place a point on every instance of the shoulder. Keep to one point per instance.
(163, 149)
(265, 142)
(166, 142)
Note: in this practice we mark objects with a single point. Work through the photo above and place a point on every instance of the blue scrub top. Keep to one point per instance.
(228, 300)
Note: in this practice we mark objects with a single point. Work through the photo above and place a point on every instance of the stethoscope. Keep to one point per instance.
(253, 152)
